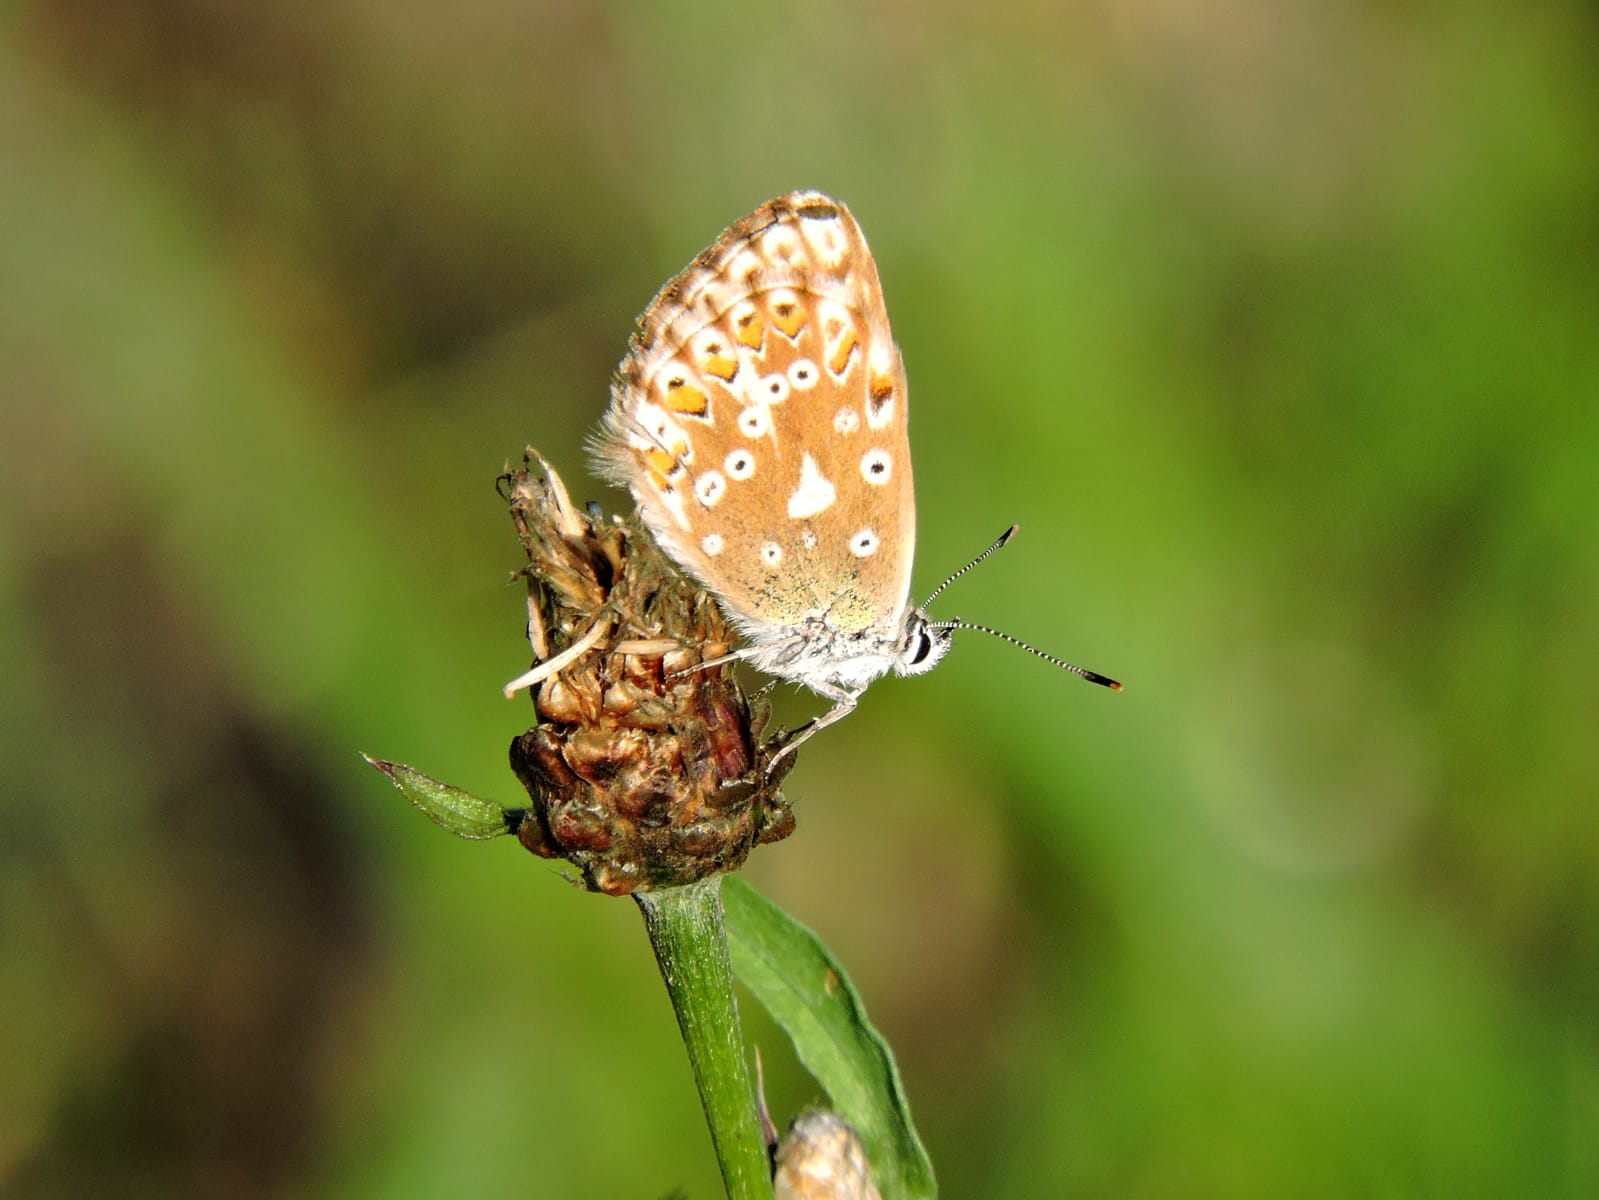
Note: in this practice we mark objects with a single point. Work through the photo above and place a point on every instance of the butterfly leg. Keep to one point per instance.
(706, 664)
(843, 704)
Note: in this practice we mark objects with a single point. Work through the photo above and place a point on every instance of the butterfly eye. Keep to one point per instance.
(923, 650)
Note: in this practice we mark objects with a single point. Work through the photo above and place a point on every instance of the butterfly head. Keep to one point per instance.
(922, 644)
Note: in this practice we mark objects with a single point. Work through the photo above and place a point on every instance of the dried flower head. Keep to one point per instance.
(645, 769)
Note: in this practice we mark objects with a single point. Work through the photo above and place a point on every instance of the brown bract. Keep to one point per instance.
(639, 775)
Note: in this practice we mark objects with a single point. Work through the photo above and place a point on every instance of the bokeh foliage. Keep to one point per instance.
(1274, 326)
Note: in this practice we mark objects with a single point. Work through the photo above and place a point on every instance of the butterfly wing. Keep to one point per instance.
(759, 419)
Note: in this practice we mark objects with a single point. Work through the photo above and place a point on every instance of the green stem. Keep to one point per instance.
(685, 927)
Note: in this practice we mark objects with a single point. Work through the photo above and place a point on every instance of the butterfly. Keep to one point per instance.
(759, 419)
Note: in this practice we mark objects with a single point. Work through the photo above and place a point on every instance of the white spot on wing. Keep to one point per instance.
(864, 543)
(740, 464)
(772, 389)
(710, 487)
(826, 241)
(716, 294)
(781, 246)
(876, 466)
(709, 343)
(755, 422)
(674, 505)
(655, 422)
(814, 493)
(712, 544)
(743, 265)
(771, 554)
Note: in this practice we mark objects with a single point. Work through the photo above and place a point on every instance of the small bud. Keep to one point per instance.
(822, 1158)
(645, 770)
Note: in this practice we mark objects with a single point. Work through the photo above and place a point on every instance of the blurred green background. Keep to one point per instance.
(1275, 327)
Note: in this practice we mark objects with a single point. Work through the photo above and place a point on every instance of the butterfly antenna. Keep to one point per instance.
(1081, 672)
(1000, 541)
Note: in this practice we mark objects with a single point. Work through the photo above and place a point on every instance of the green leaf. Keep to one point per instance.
(808, 994)
(463, 814)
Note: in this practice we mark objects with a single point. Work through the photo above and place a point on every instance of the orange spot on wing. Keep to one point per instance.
(721, 366)
(882, 387)
(838, 361)
(751, 331)
(789, 317)
(661, 463)
(686, 398)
